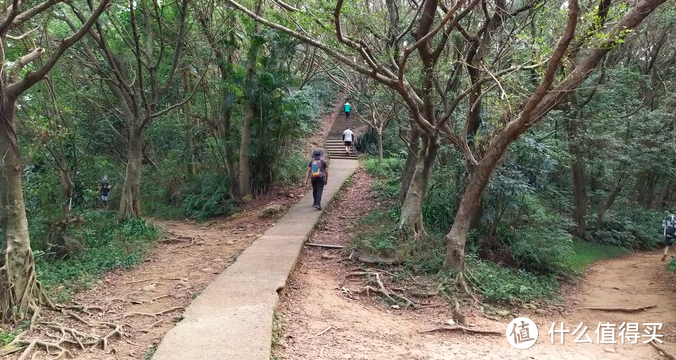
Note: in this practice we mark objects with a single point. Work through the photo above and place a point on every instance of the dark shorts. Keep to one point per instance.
(348, 143)
(668, 241)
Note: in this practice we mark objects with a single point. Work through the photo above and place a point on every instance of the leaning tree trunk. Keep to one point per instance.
(20, 292)
(411, 218)
(471, 200)
(609, 201)
(130, 202)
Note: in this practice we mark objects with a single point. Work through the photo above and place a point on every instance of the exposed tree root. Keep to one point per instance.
(327, 246)
(381, 287)
(57, 345)
(154, 315)
(147, 329)
(151, 279)
(465, 329)
(662, 351)
(80, 307)
(618, 309)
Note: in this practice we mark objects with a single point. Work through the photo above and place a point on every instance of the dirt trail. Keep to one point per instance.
(320, 296)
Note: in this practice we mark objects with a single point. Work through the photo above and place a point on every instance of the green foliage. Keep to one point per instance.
(504, 285)
(388, 176)
(542, 251)
(207, 196)
(671, 265)
(367, 142)
(109, 245)
(631, 228)
(586, 253)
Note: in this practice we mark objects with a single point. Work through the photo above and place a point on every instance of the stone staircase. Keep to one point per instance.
(336, 149)
(333, 144)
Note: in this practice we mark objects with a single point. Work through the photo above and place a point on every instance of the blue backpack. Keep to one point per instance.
(316, 170)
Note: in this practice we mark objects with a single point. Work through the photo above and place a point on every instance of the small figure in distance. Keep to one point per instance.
(105, 190)
(318, 170)
(347, 107)
(669, 226)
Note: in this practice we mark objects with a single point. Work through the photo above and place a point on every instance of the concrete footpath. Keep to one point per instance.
(232, 318)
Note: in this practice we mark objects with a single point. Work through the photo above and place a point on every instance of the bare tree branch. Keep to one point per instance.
(16, 89)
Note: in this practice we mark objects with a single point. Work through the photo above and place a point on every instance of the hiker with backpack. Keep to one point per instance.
(318, 171)
(669, 226)
(347, 107)
(348, 136)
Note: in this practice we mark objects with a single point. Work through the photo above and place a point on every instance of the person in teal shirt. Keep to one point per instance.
(347, 110)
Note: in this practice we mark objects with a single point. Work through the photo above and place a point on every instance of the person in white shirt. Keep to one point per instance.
(348, 136)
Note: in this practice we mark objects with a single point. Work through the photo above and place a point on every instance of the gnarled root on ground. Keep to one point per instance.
(465, 329)
(617, 309)
(662, 351)
(382, 289)
(58, 339)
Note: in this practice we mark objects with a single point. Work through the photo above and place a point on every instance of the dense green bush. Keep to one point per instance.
(542, 250)
(367, 142)
(207, 196)
(637, 228)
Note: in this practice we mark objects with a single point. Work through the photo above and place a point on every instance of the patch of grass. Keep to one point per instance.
(150, 352)
(7, 335)
(377, 232)
(503, 285)
(585, 253)
(107, 245)
(388, 176)
(277, 335)
(671, 265)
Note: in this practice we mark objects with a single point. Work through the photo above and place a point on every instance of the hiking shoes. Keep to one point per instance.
(318, 207)
(664, 257)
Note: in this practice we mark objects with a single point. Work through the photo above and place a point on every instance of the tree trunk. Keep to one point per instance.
(411, 160)
(189, 127)
(380, 143)
(579, 197)
(471, 198)
(190, 144)
(578, 172)
(411, 218)
(67, 187)
(20, 292)
(224, 138)
(244, 183)
(130, 202)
